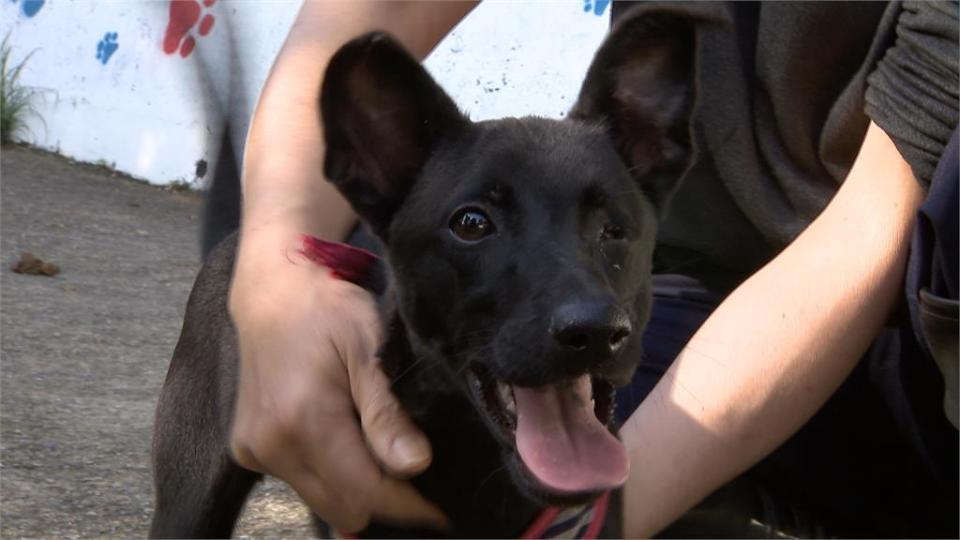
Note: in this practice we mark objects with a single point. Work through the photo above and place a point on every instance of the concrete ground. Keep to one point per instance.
(83, 354)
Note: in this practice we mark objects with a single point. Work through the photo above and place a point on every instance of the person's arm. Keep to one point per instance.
(307, 340)
(283, 186)
(773, 352)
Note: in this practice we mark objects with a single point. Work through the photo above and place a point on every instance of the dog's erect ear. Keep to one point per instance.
(641, 87)
(382, 116)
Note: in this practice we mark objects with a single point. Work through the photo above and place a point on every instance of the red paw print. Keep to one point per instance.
(184, 15)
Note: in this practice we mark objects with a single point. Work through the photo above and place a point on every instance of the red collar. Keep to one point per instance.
(344, 261)
(580, 522)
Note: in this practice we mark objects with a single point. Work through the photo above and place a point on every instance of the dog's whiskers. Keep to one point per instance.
(476, 494)
(407, 370)
(467, 354)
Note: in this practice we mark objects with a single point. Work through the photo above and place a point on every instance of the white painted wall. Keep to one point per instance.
(154, 115)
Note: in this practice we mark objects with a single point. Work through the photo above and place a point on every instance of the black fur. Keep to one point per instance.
(573, 205)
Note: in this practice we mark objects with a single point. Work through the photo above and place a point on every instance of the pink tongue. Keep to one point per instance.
(562, 442)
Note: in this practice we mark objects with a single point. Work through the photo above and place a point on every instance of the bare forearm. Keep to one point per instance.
(777, 348)
(283, 185)
(295, 322)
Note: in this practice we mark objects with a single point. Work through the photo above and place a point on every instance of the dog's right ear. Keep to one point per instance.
(641, 88)
(382, 116)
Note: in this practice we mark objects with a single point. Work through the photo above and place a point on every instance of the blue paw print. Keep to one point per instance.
(30, 7)
(106, 47)
(598, 6)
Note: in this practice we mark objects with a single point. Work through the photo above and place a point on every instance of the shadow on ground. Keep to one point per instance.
(84, 353)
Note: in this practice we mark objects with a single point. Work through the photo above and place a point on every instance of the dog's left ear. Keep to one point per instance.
(382, 116)
(641, 88)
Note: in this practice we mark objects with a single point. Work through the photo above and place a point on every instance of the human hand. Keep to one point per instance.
(313, 407)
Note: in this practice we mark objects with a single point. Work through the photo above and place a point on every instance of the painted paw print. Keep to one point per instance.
(30, 7)
(184, 17)
(598, 6)
(106, 47)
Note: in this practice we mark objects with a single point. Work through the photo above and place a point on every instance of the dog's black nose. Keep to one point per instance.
(594, 331)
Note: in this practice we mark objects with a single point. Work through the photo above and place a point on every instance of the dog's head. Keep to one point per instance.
(521, 248)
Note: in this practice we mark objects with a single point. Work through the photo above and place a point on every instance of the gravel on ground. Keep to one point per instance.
(83, 353)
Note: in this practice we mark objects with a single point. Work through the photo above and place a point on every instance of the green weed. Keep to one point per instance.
(16, 100)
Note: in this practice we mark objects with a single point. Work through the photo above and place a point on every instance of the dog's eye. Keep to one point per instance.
(612, 232)
(471, 225)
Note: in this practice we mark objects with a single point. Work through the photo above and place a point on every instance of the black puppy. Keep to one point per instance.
(518, 253)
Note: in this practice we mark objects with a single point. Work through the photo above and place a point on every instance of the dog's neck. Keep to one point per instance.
(467, 478)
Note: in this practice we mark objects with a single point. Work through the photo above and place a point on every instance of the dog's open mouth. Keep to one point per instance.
(559, 430)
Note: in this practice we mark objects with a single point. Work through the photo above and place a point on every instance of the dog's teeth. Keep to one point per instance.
(504, 392)
(506, 397)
